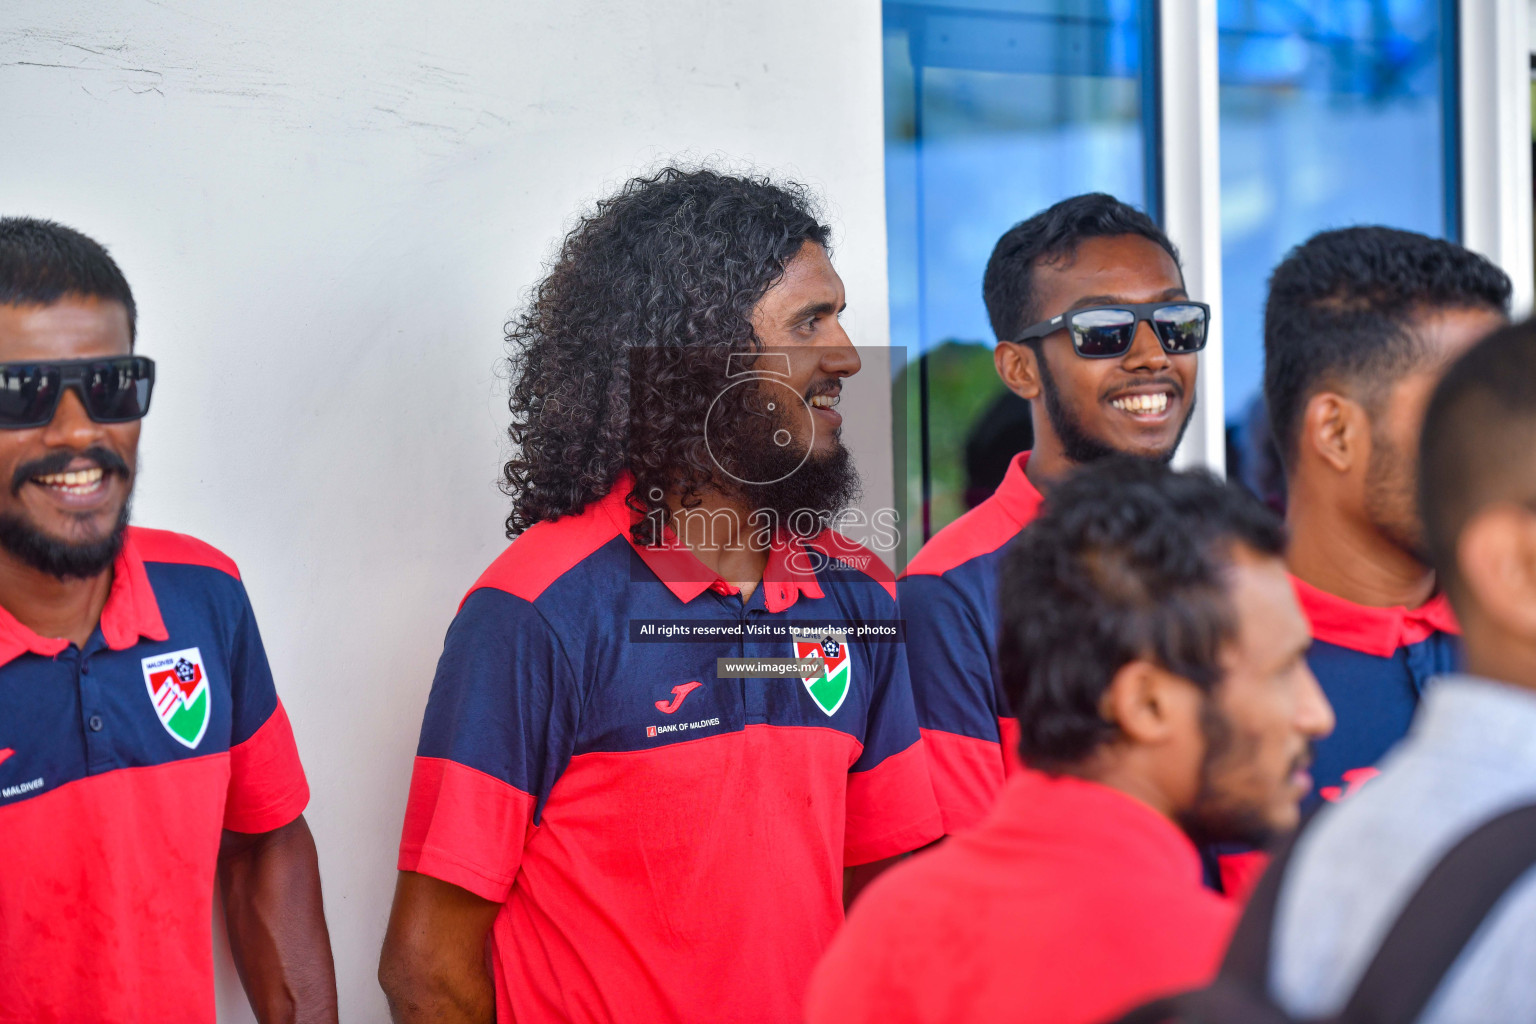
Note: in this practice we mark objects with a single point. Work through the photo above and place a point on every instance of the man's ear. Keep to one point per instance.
(1145, 701)
(1496, 556)
(1337, 429)
(1016, 365)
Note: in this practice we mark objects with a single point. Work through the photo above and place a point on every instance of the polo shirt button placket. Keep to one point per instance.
(98, 750)
(756, 695)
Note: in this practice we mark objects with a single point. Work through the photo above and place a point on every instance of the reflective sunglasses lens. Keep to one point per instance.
(27, 395)
(1098, 333)
(118, 391)
(1181, 328)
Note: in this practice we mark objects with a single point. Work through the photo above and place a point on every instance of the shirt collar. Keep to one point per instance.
(1372, 630)
(1016, 495)
(131, 612)
(789, 574)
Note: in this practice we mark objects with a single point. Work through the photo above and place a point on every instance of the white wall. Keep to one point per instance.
(326, 212)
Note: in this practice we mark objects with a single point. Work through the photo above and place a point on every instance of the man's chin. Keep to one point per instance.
(86, 554)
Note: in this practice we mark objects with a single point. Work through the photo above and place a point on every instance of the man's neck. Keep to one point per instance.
(50, 606)
(1351, 560)
(721, 537)
(1048, 465)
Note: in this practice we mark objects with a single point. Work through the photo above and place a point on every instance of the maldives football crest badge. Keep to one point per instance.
(178, 687)
(829, 687)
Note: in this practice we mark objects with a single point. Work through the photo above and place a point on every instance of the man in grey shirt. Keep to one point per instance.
(1471, 753)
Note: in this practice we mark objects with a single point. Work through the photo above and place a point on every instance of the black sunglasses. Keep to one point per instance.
(113, 390)
(1105, 332)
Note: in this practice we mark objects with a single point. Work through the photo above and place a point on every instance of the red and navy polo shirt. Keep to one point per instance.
(666, 845)
(949, 601)
(120, 766)
(1373, 664)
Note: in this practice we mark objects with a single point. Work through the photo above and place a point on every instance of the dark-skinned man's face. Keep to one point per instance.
(789, 457)
(64, 487)
(1136, 404)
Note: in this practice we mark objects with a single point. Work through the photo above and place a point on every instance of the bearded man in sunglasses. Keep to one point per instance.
(143, 750)
(1095, 328)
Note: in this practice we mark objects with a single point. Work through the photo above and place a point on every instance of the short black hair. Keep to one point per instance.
(1008, 287)
(1341, 308)
(1126, 561)
(1477, 442)
(42, 262)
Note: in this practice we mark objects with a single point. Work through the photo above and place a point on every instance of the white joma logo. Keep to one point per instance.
(21, 787)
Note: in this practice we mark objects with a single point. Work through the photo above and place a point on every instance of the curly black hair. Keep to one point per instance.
(625, 343)
(1126, 561)
(1340, 310)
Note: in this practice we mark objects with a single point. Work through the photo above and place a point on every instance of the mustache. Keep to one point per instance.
(1304, 759)
(58, 461)
(1122, 387)
(823, 387)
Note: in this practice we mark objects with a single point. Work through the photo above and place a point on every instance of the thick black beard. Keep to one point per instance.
(61, 558)
(805, 499)
(1079, 446)
(808, 499)
(1214, 817)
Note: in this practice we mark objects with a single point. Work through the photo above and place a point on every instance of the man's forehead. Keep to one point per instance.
(1265, 600)
(1117, 268)
(73, 327)
(809, 280)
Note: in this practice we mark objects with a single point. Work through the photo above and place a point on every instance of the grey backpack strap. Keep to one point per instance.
(1441, 917)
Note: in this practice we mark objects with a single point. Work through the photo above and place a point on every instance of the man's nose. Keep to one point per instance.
(71, 427)
(841, 358)
(1146, 352)
(1314, 715)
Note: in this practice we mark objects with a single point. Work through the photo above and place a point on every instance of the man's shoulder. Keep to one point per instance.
(982, 531)
(166, 547)
(545, 552)
(865, 565)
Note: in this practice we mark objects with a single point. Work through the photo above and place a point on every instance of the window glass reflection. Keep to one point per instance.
(1333, 112)
(994, 110)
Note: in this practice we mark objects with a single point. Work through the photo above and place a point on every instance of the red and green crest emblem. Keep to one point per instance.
(828, 688)
(178, 688)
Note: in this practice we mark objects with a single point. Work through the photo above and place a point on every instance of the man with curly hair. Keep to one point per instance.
(607, 821)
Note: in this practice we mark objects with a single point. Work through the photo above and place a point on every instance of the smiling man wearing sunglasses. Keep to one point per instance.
(143, 750)
(1095, 328)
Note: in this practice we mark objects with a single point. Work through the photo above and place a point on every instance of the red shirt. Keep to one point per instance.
(666, 844)
(121, 764)
(1069, 904)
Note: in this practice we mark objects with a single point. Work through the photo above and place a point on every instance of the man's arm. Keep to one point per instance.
(271, 887)
(433, 967)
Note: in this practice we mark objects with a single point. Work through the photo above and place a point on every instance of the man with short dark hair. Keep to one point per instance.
(143, 750)
(1470, 754)
(1153, 649)
(1359, 325)
(607, 822)
(1095, 329)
